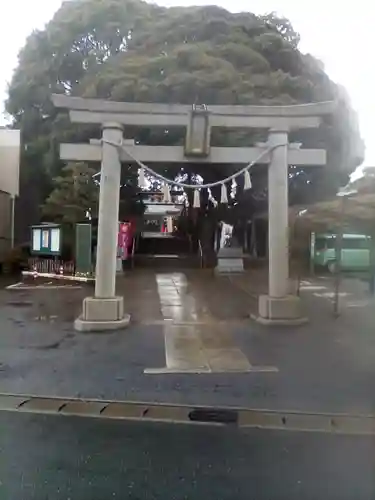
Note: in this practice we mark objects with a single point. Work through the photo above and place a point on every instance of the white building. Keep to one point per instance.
(9, 186)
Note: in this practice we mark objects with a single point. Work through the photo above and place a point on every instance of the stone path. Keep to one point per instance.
(192, 342)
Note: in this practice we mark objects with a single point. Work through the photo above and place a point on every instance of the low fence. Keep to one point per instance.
(51, 266)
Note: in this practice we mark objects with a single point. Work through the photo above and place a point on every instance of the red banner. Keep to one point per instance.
(125, 239)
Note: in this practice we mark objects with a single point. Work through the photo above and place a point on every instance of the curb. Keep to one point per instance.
(196, 415)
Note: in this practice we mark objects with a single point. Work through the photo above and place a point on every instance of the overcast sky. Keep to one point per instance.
(339, 34)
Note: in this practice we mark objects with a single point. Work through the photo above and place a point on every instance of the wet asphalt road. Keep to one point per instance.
(70, 458)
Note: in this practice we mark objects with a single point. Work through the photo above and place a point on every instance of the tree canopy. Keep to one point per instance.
(129, 50)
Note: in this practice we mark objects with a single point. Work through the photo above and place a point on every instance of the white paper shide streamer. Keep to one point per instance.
(197, 199)
(224, 194)
(166, 194)
(141, 178)
(247, 181)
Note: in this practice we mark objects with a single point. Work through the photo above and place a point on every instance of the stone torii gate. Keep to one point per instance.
(105, 311)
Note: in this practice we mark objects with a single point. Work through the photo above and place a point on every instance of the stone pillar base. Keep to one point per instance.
(280, 311)
(100, 315)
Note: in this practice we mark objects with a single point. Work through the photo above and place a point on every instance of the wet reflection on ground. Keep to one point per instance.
(192, 296)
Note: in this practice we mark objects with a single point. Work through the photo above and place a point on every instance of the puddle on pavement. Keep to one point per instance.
(50, 319)
(49, 306)
(19, 303)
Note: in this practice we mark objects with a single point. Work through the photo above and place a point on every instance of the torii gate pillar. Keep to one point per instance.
(105, 311)
(279, 306)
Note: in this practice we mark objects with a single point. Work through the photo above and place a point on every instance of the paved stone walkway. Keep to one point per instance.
(182, 296)
(191, 341)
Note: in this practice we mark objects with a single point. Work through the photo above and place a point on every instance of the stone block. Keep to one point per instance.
(96, 309)
(281, 311)
(229, 266)
(229, 260)
(230, 253)
(102, 315)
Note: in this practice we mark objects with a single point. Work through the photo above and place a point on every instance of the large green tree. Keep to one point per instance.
(129, 50)
(74, 195)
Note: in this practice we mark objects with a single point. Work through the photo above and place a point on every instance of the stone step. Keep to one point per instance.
(167, 261)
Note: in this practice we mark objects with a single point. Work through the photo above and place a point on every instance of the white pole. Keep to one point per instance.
(278, 227)
(109, 199)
